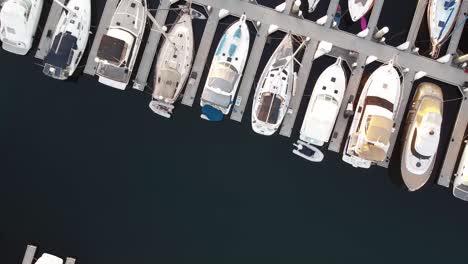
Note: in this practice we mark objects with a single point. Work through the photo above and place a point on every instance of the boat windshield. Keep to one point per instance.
(223, 77)
(270, 108)
(112, 50)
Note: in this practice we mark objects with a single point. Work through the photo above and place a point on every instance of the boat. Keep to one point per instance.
(18, 24)
(173, 64)
(226, 71)
(274, 89)
(312, 5)
(460, 186)
(307, 151)
(359, 8)
(119, 47)
(324, 105)
(422, 134)
(441, 17)
(49, 259)
(69, 39)
(369, 136)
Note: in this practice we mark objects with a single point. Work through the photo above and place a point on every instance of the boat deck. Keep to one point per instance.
(46, 39)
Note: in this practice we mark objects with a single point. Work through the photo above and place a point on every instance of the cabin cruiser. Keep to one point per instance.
(274, 89)
(372, 125)
(359, 8)
(119, 47)
(69, 40)
(49, 259)
(226, 71)
(312, 5)
(422, 131)
(441, 17)
(173, 64)
(460, 186)
(18, 24)
(324, 105)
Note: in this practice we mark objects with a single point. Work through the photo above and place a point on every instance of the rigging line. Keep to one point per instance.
(462, 23)
(455, 99)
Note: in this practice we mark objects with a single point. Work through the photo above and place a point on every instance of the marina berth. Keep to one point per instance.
(226, 71)
(69, 40)
(119, 47)
(372, 125)
(18, 24)
(359, 8)
(422, 135)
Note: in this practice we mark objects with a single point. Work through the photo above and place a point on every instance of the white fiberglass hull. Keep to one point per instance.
(17, 31)
(460, 186)
(383, 87)
(324, 105)
(441, 17)
(359, 8)
(227, 68)
(173, 65)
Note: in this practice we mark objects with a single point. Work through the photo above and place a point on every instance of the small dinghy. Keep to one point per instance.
(18, 24)
(372, 126)
(312, 5)
(308, 152)
(460, 186)
(422, 135)
(49, 259)
(69, 40)
(119, 47)
(174, 63)
(324, 105)
(226, 71)
(359, 8)
(274, 89)
(441, 16)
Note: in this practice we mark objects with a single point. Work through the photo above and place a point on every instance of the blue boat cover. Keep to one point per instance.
(221, 45)
(212, 113)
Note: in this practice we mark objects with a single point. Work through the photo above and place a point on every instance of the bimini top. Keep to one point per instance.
(112, 49)
(378, 131)
(60, 54)
(168, 80)
(269, 109)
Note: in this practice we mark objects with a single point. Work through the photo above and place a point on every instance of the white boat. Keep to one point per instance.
(441, 16)
(369, 136)
(324, 105)
(274, 89)
(312, 5)
(422, 134)
(119, 47)
(18, 24)
(307, 151)
(359, 8)
(69, 40)
(460, 186)
(49, 259)
(173, 65)
(226, 71)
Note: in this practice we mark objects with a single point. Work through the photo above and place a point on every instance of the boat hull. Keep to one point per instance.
(359, 8)
(460, 186)
(441, 18)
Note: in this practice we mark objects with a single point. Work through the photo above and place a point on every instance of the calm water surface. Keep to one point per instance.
(90, 172)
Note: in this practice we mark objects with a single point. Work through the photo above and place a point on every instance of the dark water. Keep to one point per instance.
(91, 172)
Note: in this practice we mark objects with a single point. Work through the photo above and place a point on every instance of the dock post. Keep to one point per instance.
(302, 77)
(106, 17)
(201, 57)
(29, 254)
(70, 260)
(46, 39)
(149, 54)
(454, 147)
(249, 74)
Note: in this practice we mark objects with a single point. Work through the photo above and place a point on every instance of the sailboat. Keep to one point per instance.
(324, 105)
(312, 5)
(226, 71)
(359, 8)
(69, 40)
(18, 24)
(274, 89)
(372, 126)
(119, 47)
(441, 16)
(173, 64)
(460, 186)
(422, 131)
